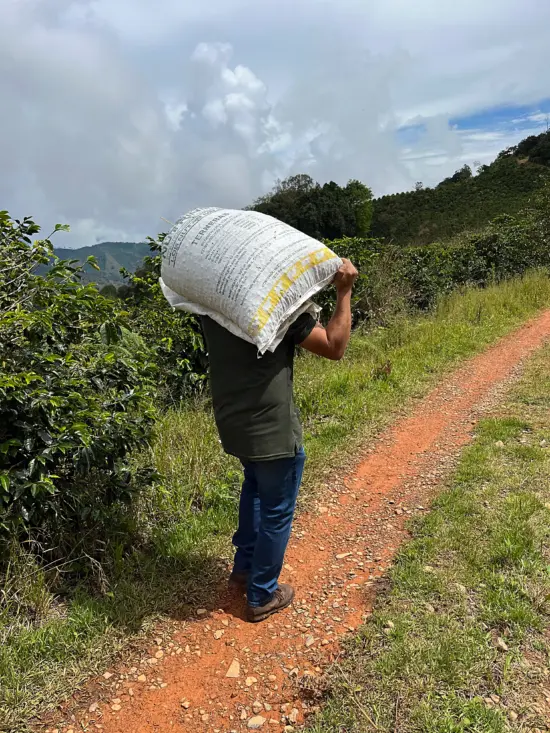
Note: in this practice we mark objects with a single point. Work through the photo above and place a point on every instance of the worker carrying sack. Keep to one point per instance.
(249, 272)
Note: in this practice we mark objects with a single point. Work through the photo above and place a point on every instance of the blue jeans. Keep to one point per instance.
(266, 510)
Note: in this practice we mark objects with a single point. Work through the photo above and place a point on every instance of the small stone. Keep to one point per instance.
(430, 608)
(293, 717)
(116, 701)
(499, 444)
(502, 645)
(142, 678)
(234, 669)
(201, 611)
(256, 722)
(114, 708)
(186, 704)
(288, 729)
(250, 681)
(159, 654)
(512, 715)
(309, 640)
(342, 555)
(218, 634)
(225, 622)
(93, 707)
(257, 706)
(107, 675)
(205, 718)
(272, 678)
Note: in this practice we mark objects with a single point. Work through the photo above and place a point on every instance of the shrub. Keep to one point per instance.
(393, 279)
(174, 337)
(76, 396)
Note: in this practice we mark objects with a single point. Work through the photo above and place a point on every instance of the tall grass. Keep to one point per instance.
(185, 521)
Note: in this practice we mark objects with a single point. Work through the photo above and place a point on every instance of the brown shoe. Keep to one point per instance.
(238, 579)
(283, 597)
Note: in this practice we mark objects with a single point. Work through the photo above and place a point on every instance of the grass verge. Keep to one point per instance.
(460, 642)
(51, 640)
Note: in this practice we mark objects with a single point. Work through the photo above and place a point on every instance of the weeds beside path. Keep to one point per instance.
(226, 672)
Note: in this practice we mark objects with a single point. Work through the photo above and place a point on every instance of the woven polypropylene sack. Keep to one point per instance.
(249, 272)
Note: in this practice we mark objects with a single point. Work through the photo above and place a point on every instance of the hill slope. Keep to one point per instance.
(424, 216)
(465, 201)
(110, 256)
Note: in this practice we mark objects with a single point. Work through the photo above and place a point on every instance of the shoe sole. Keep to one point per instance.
(257, 619)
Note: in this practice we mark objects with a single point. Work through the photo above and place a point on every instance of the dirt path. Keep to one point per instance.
(218, 673)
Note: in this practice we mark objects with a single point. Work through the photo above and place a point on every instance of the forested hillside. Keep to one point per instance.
(465, 201)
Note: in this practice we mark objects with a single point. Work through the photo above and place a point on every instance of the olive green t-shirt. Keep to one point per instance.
(253, 395)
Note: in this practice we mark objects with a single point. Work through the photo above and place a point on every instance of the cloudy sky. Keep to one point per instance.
(115, 113)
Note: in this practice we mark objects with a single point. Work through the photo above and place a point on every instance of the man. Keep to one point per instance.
(258, 422)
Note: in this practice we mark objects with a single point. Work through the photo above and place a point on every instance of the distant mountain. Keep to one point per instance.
(110, 256)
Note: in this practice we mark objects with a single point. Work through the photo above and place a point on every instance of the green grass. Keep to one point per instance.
(476, 570)
(50, 643)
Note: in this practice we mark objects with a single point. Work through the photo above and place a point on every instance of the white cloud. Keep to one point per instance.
(122, 111)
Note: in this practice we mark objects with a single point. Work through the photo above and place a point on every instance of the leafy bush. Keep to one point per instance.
(75, 395)
(174, 337)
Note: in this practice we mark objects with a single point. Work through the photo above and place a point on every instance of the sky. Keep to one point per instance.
(117, 114)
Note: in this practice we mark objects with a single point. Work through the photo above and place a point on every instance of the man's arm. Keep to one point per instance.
(331, 342)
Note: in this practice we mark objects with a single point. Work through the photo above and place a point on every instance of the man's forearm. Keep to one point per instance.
(339, 327)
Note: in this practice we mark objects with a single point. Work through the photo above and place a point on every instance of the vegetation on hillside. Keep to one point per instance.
(535, 149)
(462, 202)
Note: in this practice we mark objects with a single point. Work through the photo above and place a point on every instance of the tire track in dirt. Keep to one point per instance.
(218, 673)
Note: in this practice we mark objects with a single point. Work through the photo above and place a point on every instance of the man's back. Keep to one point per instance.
(253, 396)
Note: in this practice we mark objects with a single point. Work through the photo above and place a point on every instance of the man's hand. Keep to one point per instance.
(345, 277)
(332, 341)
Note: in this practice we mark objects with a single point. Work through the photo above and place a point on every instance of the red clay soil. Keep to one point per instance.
(218, 673)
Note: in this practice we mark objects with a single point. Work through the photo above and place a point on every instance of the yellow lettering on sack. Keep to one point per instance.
(283, 284)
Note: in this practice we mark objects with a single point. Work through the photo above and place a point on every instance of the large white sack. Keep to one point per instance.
(249, 272)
